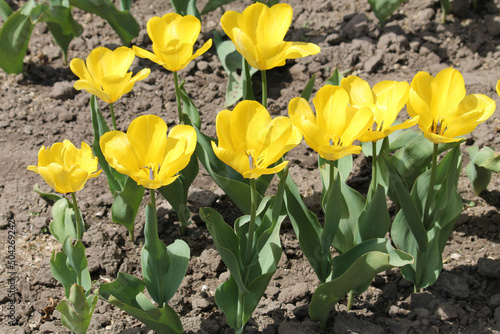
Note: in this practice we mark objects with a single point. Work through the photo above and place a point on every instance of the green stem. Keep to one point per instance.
(113, 119)
(264, 88)
(350, 298)
(178, 98)
(251, 227)
(374, 163)
(239, 313)
(78, 218)
(430, 192)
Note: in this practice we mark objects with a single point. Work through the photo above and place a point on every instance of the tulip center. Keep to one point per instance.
(335, 140)
(438, 127)
(252, 162)
(154, 169)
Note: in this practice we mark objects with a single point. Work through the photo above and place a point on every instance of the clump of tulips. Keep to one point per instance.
(349, 116)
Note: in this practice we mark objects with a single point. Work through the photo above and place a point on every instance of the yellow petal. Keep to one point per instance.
(247, 48)
(236, 160)
(359, 90)
(276, 23)
(119, 154)
(331, 103)
(477, 102)
(147, 136)
(94, 64)
(420, 98)
(229, 21)
(448, 90)
(498, 87)
(358, 125)
(187, 29)
(139, 52)
(92, 89)
(255, 173)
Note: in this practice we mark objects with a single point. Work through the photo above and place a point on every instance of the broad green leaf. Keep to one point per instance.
(64, 221)
(122, 22)
(335, 78)
(48, 197)
(415, 158)
(188, 107)
(410, 211)
(60, 21)
(214, 4)
(306, 93)
(232, 62)
(333, 206)
(125, 5)
(126, 293)
(308, 231)
(383, 9)
(163, 267)
(488, 159)
(176, 193)
(126, 204)
(478, 175)
(116, 181)
(247, 80)
(77, 261)
(227, 243)
(400, 138)
(15, 34)
(76, 312)
(352, 269)
(375, 221)
(61, 272)
(186, 7)
(5, 10)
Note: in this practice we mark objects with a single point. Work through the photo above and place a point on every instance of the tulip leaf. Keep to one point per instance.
(415, 158)
(383, 9)
(479, 175)
(122, 22)
(445, 208)
(48, 197)
(352, 269)
(306, 93)
(333, 206)
(125, 5)
(214, 4)
(374, 221)
(15, 34)
(186, 7)
(247, 80)
(487, 158)
(5, 10)
(60, 22)
(126, 204)
(76, 312)
(163, 267)
(176, 193)
(188, 107)
(64, 221)
(232, 62)
(126, 293)
(227, 243)
(116, 181)
(308, 231)
(70, 266)
(335, 78)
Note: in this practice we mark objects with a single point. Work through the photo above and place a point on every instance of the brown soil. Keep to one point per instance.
(39, 107)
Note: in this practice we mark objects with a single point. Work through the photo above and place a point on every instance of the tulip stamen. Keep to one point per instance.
(250, 161)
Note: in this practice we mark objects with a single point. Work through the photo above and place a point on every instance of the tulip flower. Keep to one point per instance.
(173, 38)
(386, 100)
(146, 154)
(258, 34)
(105, 73)
(336, 125)
(444, 109)
(66, 168)
(250, 141)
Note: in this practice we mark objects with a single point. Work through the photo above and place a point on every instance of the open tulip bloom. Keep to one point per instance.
(105, 74)
(66, 169)
(173, 38)
(250, 141)
(445, 111)
(336, 125)
(258, 34)
(146, 154)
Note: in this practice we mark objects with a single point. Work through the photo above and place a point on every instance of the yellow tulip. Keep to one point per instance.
(146, 154)
(250, 141)
(66, 168)
(498, 87)
(104, 73)
(258, 34)
(336, 125)
(173, 38)
(386, 100)
(444, 109)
